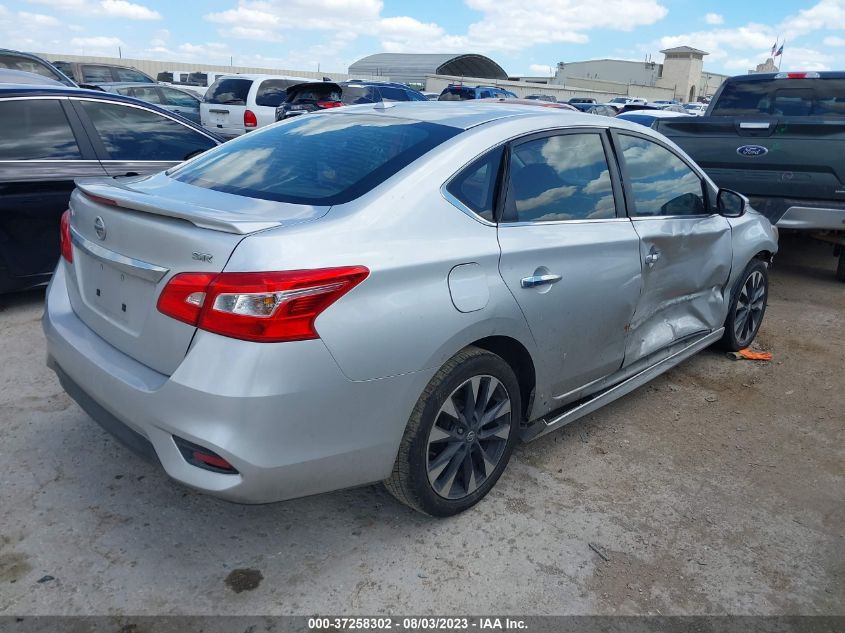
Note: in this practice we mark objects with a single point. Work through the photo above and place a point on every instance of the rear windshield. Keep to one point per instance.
(165, 76)
(26, 65)
(457, 94)
(782, 97)
(271, 92)
(353, 95)
(229, 91)
(312, 93)
(198, 79)
(319, 160)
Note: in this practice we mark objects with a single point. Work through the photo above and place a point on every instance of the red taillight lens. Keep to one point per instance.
(267, 307)
(249, 119)
(64, 237)
(329, 104)
(184, 296)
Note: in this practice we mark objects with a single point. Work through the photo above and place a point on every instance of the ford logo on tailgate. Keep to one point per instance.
(752, 150)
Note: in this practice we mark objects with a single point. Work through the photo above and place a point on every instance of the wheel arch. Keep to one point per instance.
(519, 358)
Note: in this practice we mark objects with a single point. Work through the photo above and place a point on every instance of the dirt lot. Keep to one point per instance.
(719, 488)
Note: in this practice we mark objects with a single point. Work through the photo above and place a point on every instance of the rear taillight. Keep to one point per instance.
(329, 104)
(249, 119)
(810, 75)
(267, 307)
(64, 237)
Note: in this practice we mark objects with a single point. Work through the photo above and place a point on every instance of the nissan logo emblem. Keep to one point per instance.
(100, 227)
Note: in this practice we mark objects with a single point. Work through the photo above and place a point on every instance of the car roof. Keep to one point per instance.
(822, 74)
(462, 114)
(253, 77)
(23, 78)
(656, 114)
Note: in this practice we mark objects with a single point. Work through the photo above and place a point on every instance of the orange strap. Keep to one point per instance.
(749, 354)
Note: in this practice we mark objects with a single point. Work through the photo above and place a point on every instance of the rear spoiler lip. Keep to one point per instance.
(200, 216)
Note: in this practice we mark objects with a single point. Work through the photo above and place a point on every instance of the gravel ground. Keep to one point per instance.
(718, 488)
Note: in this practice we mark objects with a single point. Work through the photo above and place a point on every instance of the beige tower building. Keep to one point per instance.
(682, 72)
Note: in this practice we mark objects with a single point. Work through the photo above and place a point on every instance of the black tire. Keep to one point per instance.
(418, 453)
(840, 268)
(743, 322)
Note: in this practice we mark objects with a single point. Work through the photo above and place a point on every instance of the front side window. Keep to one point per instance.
(475, 186)
(130, 133)
(319, 160)
(560, 177)
(179, 98)
(144, 94)
(229, 91)
(96, 74)
(36, 130)
(389, 93)
(661, 183)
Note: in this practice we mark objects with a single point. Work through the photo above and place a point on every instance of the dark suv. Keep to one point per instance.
(320, 95)
(465, 93)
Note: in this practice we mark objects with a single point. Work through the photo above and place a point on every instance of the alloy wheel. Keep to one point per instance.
(469, 436)
(749, 307)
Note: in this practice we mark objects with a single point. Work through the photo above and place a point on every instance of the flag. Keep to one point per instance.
(780, 51)
(774, 48)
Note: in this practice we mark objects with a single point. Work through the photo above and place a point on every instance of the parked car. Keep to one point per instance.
(93, 74)
(398, 294)
(542, 98)
(19, 77)
(665, 102)
(674, 107)
(320, 95)
(465, 93)
(52, 135)
(182, 80)
(576, 100)
(779, 138)
(431, 96)
(697, 109)
(530, 102)
(649, 118)
(29, 63)
(236, 104)
(583, 107)
(602, 109)
(180, 101)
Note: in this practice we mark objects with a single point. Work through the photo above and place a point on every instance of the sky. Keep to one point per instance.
(526, 37)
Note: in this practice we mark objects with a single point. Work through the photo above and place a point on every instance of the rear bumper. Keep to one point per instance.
(788, 213)
(282, 414)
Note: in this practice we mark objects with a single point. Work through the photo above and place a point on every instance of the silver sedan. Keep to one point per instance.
(393, 293)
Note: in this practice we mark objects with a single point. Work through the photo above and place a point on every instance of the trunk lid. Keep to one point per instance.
(131, 236)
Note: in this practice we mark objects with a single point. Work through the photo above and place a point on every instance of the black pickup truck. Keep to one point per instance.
(778, 138)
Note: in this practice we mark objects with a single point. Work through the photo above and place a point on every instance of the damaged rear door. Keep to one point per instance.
(685, 247)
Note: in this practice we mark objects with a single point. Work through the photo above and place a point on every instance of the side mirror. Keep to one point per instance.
(731, 204)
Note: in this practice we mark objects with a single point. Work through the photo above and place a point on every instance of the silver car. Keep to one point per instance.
(393, 293)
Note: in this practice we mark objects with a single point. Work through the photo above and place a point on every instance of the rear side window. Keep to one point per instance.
(782, 97)
(137, 134)
(475, 186)
(314, 93)
(96, 74)
(272, 92)
(130, 74)
(165, 76)
(662, 184)
(36, 130)
(560, 177)
(229, 91)
(320, 159)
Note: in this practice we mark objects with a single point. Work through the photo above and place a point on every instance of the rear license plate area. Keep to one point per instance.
(114, 293)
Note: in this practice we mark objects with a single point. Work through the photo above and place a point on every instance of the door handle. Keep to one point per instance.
(539, 280)
(652, 258)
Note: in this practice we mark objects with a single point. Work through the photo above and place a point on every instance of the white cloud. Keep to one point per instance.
(714, 18)
(541, 70)
(37, 19)
(98, 42)
(834, 41)
(129, 10)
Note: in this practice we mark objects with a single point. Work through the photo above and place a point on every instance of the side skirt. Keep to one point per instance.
(579, 409)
